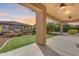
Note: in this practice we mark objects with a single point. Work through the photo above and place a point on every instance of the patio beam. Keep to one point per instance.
(53, 17)
(37, 7)
(34, 6)
(71, 21)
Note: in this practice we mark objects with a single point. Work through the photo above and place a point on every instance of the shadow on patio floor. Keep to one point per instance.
(47, 51)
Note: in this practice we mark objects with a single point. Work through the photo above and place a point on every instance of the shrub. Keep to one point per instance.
(72, 31)
(49, 33)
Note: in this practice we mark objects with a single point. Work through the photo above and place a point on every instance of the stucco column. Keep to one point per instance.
(41, 28)
(61, 28)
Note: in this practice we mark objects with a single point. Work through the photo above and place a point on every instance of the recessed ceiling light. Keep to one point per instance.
(69, 18)
(67, 12)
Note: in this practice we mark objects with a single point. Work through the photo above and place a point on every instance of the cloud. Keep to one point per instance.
(26, 19)
(4, 14)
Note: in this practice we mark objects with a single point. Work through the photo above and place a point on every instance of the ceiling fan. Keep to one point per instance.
(63, 5)
(67, 4)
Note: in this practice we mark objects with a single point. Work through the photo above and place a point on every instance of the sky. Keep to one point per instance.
(16, 12)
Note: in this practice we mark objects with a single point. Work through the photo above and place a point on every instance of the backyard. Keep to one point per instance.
(17, 42)
(20, 41)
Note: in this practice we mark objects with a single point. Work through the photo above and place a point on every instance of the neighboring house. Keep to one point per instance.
(13, 26)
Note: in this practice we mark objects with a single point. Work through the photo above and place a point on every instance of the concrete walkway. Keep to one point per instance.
(32, 50)
(55, 46)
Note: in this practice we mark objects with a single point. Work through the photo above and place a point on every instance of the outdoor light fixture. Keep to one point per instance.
(69, 18)
(62, 6)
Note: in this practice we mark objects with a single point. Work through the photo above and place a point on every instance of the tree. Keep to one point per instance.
(50, 27)
(34, 29)
(57, 27)
(66, 27)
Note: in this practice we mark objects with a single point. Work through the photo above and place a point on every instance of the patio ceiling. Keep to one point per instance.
(54, 11)
(71, 9)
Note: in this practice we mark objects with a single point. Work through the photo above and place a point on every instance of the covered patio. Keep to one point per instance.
(60, 12)
(57, 45)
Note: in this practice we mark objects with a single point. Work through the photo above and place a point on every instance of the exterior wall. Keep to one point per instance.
(1, 29)
(5, 28)
(27, 29)
(16, 28)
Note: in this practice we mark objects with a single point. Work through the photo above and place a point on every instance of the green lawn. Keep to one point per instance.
(21, 41)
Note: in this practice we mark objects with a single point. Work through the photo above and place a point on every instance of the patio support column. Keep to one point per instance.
(61, 28)
(40, 10)
(41, 28)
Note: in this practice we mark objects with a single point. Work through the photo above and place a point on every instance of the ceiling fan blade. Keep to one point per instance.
(67, 4)
(70, 4)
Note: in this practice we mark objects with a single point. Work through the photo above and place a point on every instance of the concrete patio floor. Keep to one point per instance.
(63, 45)
(31, 50)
